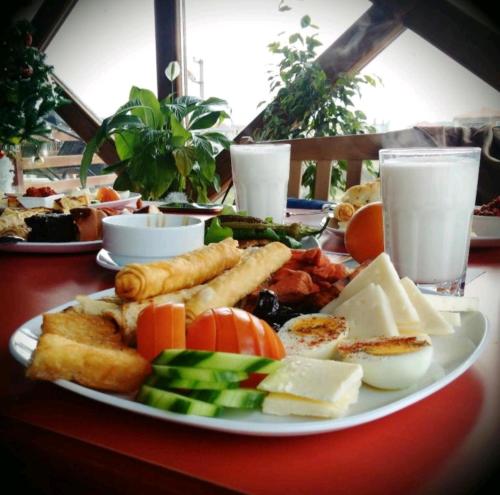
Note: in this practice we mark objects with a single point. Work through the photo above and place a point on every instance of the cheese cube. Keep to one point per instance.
(432, 322)
(315, 379)
(368, 314)
(382, 272)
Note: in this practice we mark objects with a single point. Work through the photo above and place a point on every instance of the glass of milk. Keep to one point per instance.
(428, 197)
(260, 175)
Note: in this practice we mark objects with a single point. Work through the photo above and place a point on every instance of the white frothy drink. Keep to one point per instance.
(428, 200)
(260, 175)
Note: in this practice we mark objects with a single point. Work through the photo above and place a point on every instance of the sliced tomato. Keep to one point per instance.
(244, 324)
(201, 334)
(161, 327)
(274, 342)
(226, 339)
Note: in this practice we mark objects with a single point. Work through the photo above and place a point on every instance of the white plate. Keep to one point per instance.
(51, 247)
(118, 203)
(453, 355)
(105, 259)
(337, 232)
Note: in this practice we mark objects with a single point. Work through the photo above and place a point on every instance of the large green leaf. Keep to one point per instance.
(151, 113)
(183, 160)
(205, 121)
(180, 134)
(126, 143)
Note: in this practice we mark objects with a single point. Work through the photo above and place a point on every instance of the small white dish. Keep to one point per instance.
(151, 237)
(118, 203)
(38, 202)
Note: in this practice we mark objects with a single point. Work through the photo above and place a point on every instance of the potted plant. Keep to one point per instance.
(307, 104)
(163, 146)
(27, 94)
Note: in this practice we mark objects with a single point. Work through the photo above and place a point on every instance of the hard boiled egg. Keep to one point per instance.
(314, 335)
(389, 362)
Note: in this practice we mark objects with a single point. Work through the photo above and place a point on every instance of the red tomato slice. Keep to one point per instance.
(244, 325)
(161, 327)
(201, 334)
(277, 348)
(226, 339)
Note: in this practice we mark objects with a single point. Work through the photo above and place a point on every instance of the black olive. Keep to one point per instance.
(267, 304)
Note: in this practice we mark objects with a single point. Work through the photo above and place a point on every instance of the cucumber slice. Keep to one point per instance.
(244, 398)
(185, 373)
(170, 401)
(166, 384)
(217, 361)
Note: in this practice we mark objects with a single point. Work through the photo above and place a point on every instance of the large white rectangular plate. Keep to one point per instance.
(453, 355)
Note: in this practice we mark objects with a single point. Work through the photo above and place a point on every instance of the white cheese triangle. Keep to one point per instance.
(432, 322)
(382, 272)
(454, 319)
(368, 314)
(452, 303)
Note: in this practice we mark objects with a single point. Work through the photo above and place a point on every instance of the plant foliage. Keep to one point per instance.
(27, 93)
(306, 103)
(163, 146)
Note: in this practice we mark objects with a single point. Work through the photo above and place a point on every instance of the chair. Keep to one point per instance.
(352, 148)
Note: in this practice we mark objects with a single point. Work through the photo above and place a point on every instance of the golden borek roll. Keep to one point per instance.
(228, 288)
(138, 282)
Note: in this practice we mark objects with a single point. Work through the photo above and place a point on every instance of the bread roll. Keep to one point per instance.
(227, 289)
(138, 282)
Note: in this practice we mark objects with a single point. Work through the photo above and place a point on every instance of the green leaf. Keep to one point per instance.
(90, 149)
(150, 112)
(178, 131)
(183, 160)
(219, 138)
(305, 21)
(205, 121)
(173, 70)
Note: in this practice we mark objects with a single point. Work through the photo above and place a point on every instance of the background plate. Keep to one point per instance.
(453, 355)
(51, 247)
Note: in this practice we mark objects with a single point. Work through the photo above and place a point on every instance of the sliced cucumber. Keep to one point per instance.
(170, 401)
(244, 398)
(166, 384)
(185, 373)
(217, 361)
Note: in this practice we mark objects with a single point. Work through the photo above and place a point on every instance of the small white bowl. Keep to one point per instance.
(142, 238)
(38, 202)
(484, 226)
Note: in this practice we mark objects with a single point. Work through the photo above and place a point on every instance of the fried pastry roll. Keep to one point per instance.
(138, 282)
(228, 288)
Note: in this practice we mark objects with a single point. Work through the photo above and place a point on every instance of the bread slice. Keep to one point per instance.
(86, 349)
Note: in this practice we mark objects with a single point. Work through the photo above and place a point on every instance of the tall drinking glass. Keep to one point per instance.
(260, 175)
(428, 197)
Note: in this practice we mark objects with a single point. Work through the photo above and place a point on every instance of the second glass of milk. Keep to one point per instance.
(260, 175)
(428, 197)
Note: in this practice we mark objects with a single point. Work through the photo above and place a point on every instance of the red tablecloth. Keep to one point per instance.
(447, 443)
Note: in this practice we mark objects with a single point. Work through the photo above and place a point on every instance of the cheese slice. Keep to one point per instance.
(454, 319)
(286, 404)
(382, 272)
(316, 379)
(432, 322)
(368, 314)
(452, 303)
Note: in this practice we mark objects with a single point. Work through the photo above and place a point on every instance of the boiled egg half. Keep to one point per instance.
(313, 335)
(389, 362)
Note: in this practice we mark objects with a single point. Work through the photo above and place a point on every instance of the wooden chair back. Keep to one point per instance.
(325, 151)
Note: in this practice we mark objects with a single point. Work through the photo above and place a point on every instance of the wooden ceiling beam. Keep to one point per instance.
(48, 19)
(458, 29)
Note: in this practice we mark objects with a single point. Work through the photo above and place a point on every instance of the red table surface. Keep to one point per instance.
(448, 441)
